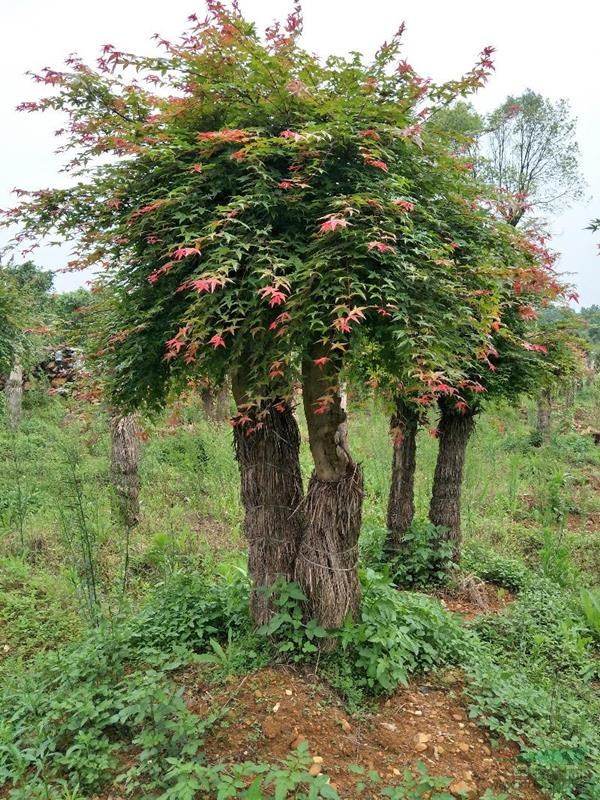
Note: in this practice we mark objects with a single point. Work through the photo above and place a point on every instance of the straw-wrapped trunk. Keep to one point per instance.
(267, 451)
(327, 559)
(454, 431)
(401, 501)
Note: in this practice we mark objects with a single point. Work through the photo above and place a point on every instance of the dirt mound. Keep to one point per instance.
(270, 712)
(472, 597)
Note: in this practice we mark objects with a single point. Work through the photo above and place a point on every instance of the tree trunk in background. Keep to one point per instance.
(544, 416)
(14, 397)
(327, 559)
(215, 403)
(268, 454)
(570, 392)
(124, 461)
(454, 432)
(401, 502)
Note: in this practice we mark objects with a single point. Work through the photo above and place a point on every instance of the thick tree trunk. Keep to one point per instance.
(327, 559)
(454, 432)
(124, 461)
(544, 416)
(215, 403)
(267, 450)
(401, 502)
(14, 397)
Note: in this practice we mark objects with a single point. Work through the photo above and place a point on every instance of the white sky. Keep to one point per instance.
(549, 47)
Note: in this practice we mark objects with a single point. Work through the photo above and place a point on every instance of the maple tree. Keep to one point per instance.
(260, 213)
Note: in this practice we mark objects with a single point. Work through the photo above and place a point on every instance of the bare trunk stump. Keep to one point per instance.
(544, 416)
(125, 457)
(14, 397)
(215, 403)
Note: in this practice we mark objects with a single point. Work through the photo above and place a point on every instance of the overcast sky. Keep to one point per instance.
(549, 47)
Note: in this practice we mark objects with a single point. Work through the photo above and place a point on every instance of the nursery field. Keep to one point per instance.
(130, 667)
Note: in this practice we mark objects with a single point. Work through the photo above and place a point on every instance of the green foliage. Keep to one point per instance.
(78, 708)
(529, 680)
(12, 320)
(590, 605)
(397, 634)
(294, 637)
(490, 565)
(248, 780)
(36, 611)
(425, 559)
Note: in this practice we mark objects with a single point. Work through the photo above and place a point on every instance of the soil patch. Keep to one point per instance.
(473, 597)
(586, 523)
(270, 712)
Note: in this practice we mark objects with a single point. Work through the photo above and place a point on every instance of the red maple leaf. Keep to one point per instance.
(161, 271)
(184, 252)
(527, 312)
(217, 341)
(225, 135)
(275, 371)
(190, 353)
(148, 209)
(443, 388)
(320, 362)
(405, 205)
(377, 163)
(536, 348)
(279, 320)
(287, 134)
(277, 296)
(333, 223)
(382, 247)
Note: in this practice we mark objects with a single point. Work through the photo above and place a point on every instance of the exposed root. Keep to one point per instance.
(470, 588)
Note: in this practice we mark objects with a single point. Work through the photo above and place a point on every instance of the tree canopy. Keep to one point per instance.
(258, 202)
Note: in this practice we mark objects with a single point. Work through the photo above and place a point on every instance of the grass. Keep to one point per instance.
(70, 720)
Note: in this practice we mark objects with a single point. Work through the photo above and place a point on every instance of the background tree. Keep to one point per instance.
(530, 152)
(526, 148)
(23, 317)
(11, 339)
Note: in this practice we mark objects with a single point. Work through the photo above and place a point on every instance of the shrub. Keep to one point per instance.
(490, 565)
(425, 559)
(397, 634)
(529, 680)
